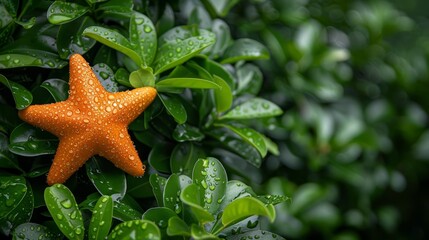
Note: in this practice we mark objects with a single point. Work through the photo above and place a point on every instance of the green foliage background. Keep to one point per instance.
(350, 77)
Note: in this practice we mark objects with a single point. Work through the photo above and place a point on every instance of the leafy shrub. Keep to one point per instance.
(207, 105)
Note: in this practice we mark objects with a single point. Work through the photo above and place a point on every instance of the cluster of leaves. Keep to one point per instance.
(206, 106)
(351, 77)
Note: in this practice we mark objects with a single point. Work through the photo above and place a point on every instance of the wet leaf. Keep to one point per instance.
(160, 216)
(106, 77)
(28, 24)
(70, 39)
(124, 212)
(9, 118)
(186, 83)
(22, 96)
(144, 229)
(101, 219)
(249, 135)
(193, 196)
(30, 58)
(158, 184)
(174, 107)
(13, 192)
(245, 49)
(178, 45)
(107, 178)
(178, 227)
(143, 37)
(34, 231)
(21, 211)
(242, 208)
(115, 9)
(216, 69)
(210, 176)
(222, 7)
(254, 108)
(64, 210)
(173, 187)
(255, 234)
(63, 12)
(58, 88)
(142, 78)
(223, 95)
(122, 77)
(184, 156)
(159, 157)
(198, 232)
(26, 140)
(7, 159)
(185, 132)
(139, 187)
(112, 39)
(249, 79)
(223, 38)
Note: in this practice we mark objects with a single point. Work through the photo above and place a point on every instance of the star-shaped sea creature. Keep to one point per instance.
(91, 121)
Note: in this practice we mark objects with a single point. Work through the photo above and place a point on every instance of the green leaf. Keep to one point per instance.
(158, 184)
(216, 69)
(30, 58)
(112, 39)
(186, 83)
(22, 96)
(101, 219)
(245, 49)
(124, 212)
(7, 159)
(234, 190)
(63, 12)
(117, 9)
(243, 208)
(58, 88)
(9, 118)
(143, 37)
(254, 108)
(173, 187)
(178, 227)
(198, 232)
(184, 156)
(249, 79)
(174, 107)
(180, 44)
(13, 192)
(122, 76)
(185, 132)
(237, 145)
(255, 234)
(139, 187)
(63, 208)
(223, 95)
(28, 24)
(107, 178)
(21, 211)
(160, 216)
(209, 174)
(271, 146)
(222, 7)
(142, 78)
(70, 39)
(249, 135)
(106, 77)
(223, 38)
(34, 231)
(193, 196)
(159, 157)
(136, 229)
(26, 140)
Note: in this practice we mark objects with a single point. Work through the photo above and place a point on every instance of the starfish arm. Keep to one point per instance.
(71, 154)
(118, 148)
(132, 103)
(84, 85)
(54, 118)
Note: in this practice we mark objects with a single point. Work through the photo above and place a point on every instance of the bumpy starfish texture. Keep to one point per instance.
(91, 122)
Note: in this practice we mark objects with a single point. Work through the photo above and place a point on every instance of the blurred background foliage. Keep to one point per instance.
(352, 78)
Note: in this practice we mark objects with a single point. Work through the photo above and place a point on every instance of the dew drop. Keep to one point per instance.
(139, 21)
(147, 29)
(59, 216)
(204, 184)
(66, 203)
(73, 215)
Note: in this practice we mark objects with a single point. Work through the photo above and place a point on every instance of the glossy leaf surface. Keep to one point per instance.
(101, 219)
(62, 12)
(22, 96)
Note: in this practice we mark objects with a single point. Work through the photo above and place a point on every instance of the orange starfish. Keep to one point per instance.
(91, 121)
